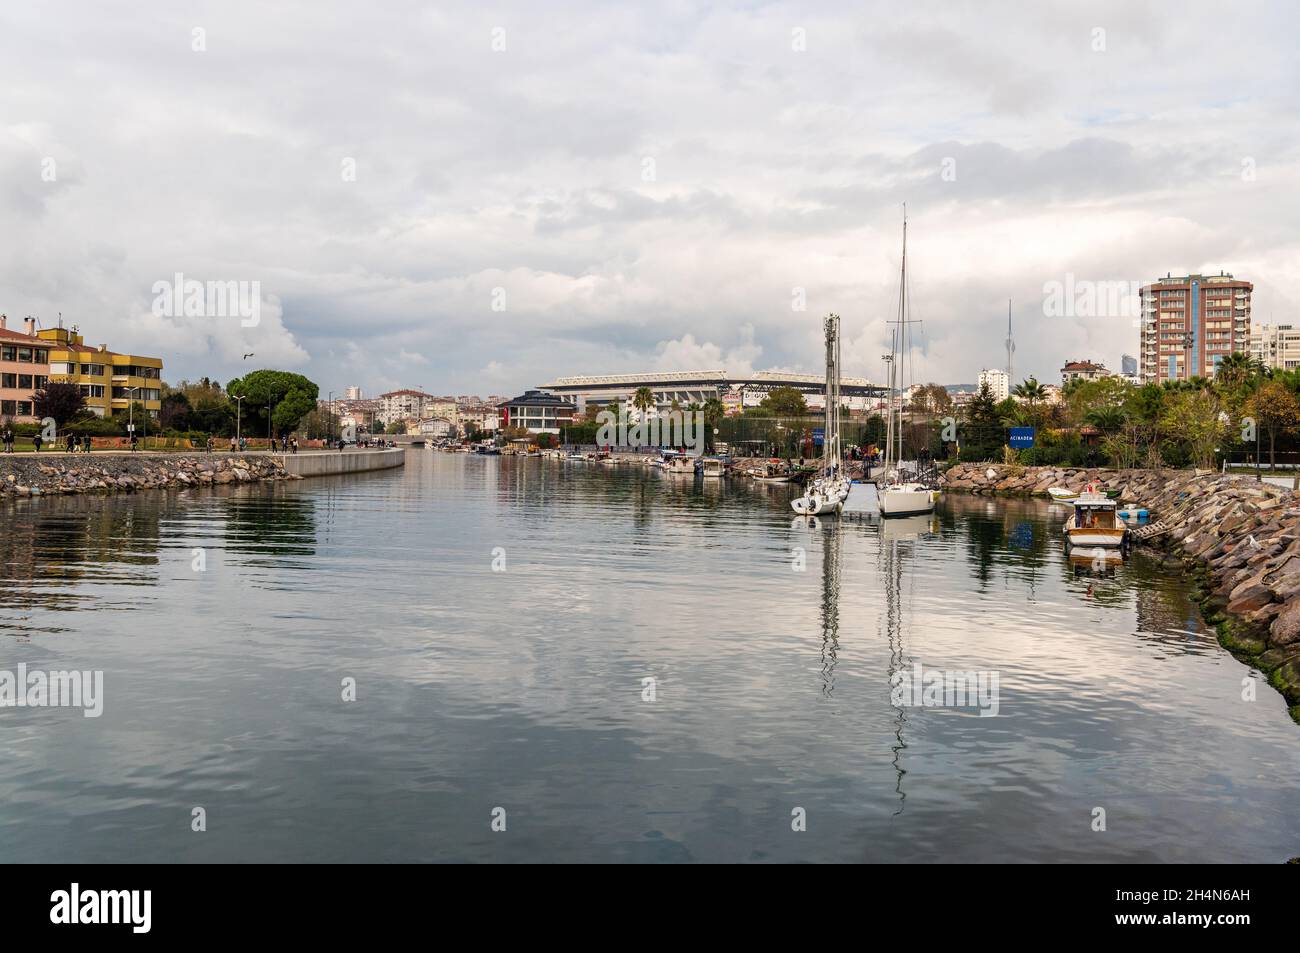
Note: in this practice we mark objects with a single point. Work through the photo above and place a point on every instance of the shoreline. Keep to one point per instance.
(29, 475)
(1240, 538)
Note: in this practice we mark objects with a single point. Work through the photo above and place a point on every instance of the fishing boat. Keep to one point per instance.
(683, 464)
(712, 467)
(901, 493)
(829, 488)
(774, 471)
(1095, 522)
(1061, 495)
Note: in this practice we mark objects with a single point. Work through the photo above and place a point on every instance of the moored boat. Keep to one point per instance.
(906, 499)
(683, 464)
(1095, 522)
(712, 467)
(901, 493)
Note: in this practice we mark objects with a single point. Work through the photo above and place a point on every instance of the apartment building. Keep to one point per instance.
(1082, 370)
(24, 369)
(111, 381)
(1276, 346)
(999, 383)
(405, 404)
(537, 412)
(1191, 323)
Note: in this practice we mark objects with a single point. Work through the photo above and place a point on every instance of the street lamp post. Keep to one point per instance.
(1258, 478)
(130, 410)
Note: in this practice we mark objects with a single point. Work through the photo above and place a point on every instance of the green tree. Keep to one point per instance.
(784, 402)
(1190, 417)
(287, 397)
(1276, 410)
(983, 435)
(1034, 395)
(643, 400)
(1108, 419)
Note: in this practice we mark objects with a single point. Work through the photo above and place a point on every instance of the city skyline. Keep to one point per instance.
(733, 164)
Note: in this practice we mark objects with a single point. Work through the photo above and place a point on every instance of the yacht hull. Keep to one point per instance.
(901, 502)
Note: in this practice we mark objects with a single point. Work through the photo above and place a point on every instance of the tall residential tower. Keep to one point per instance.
(1191, 323)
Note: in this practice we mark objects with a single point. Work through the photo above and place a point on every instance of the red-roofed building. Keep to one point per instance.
(1082, 370)
(24, 369)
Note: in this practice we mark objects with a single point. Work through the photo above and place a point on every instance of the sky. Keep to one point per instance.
(476, 198)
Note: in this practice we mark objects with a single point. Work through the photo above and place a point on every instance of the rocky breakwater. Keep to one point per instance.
(24, 475)
(1240, 537)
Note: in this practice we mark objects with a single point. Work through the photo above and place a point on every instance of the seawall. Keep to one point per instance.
(334, 463)
(1241, 537)
(48, 474)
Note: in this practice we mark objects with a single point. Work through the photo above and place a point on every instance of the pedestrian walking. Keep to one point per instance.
(36, 442)
(85, 443)
(133, 441)
(8, 440)
(70, 442)
(295, 444)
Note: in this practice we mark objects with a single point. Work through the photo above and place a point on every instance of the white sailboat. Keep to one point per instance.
(828, 490)
(898, 493)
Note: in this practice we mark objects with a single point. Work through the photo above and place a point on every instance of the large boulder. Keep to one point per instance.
(1286, 627)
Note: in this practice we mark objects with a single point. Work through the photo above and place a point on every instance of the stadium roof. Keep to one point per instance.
(761, 380)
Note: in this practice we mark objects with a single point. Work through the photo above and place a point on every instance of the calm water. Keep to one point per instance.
(523, 689)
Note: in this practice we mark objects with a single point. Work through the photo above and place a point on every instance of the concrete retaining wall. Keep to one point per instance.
(332, 463)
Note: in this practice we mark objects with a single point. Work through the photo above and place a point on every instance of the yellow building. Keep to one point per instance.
(110, 381)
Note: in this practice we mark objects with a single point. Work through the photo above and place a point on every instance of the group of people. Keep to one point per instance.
(284, 444)
(72, 443)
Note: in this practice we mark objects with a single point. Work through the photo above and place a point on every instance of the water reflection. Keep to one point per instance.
(525, 685)
(91, 552)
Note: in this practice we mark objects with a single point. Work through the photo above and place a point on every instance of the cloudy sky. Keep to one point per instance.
(579, 187)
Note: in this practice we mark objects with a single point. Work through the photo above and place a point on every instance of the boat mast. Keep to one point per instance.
(831, 427)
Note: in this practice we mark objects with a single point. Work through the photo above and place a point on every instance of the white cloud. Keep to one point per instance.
(774, 169)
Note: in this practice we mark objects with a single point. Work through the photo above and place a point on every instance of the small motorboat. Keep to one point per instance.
(1061, 495)
(681, 465)
(774, 471)
(1095, 522)
(712, 467)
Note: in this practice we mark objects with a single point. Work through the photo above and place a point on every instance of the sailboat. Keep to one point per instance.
(900, 494)
(828, 490)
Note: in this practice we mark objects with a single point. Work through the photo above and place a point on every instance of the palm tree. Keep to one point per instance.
(1235, 370)
(643, 400)
(714, 410)
(1108, 420)
(1032, 393)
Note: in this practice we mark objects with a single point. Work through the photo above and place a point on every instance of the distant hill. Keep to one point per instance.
(961, 388)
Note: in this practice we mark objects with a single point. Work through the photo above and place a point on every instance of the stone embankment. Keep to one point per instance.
(25, 475)
(1243, 536)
